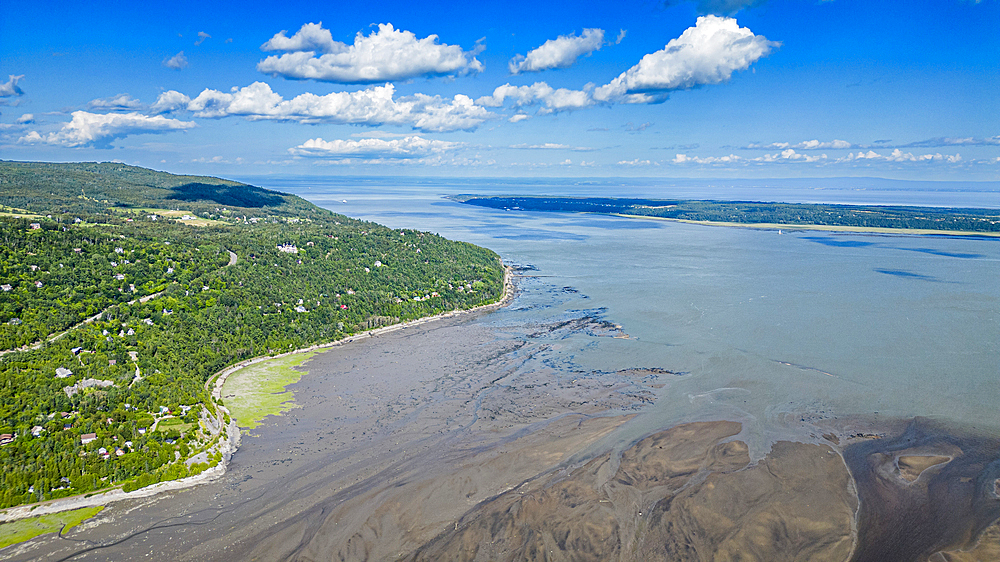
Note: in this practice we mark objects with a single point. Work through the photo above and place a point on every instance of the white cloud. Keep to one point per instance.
(518, 117)
(404, 148)
(805, 145)
(121, 102)
(311, 37)
(201, 37)
(788, 155)
(169, 101)
(372, 106)
(93, 129)
(176, 62)
(707, 53)
(10, 88)
(553, 99)
(558, 53)
(551, 146)
(25, 119)
(898, 155)
(637, 162)
(386, 54)
(685, 159)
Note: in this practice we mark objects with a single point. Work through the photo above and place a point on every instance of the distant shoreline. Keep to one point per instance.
(821, 227)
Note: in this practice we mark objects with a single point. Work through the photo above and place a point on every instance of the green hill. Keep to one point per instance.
(126, 289)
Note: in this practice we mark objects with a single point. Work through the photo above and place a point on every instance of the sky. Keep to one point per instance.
(668, 88)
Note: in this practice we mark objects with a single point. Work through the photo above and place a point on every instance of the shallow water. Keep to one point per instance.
(767, 326)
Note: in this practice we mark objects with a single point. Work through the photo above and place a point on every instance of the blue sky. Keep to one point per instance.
(705, 88)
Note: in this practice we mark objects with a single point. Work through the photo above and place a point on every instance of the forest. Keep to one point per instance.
(113, 316)
(752, 212)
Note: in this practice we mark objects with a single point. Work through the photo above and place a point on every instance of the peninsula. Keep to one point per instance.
(850, 218)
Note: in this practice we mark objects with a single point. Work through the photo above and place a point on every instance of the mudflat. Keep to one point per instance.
(453, 441)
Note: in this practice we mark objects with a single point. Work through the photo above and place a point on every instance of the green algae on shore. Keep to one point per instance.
(26, 529)
(259, 390)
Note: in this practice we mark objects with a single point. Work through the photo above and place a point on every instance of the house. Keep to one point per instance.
(35, 226)
(87, 438)
(6, 438)
(300, 308)
(37, 430)
(120, 277)
(39, 284)
(288, 248)
(63, 372)
(78, 250)
(112, 362)
(6, 287)
(76, 350)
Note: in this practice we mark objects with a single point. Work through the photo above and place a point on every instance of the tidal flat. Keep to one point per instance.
(480, 438)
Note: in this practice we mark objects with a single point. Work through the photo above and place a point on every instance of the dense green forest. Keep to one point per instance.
(749, 212)
(174, 308)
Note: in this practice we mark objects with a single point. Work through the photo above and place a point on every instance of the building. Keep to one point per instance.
(87, 438)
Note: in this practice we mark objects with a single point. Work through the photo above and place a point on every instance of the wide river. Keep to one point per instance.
(788, 333)
(764, 323)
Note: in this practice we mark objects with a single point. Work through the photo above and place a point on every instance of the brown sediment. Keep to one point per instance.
(912, 466)
(926, 494)
(683, 494)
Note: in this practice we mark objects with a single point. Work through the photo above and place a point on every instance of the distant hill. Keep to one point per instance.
(92, 187)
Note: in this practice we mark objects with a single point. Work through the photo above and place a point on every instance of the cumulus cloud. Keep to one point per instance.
(385, 54)
(789, 156)
(176, 62)
(169, 101)
(898, 155)
(558, 53)
(121, 102)
(25, 119)
(552, 99)
(10, 88)
(685, 159)
(805, 145)
(201, 37)
(372, 106)
(878, 144)
(374, 148)
(707, 53)
(94, 129)
(717, 7)
(518, 117)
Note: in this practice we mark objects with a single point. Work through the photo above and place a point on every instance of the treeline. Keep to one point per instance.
(297, 281)
(745, 212)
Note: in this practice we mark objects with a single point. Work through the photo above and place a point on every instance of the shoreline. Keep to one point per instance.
(230, 435)
(822, 227)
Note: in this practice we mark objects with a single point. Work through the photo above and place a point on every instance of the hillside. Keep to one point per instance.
(120, 299)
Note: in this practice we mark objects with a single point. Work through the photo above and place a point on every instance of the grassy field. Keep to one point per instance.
(258, 391)
(174, 423)
(26, 529)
